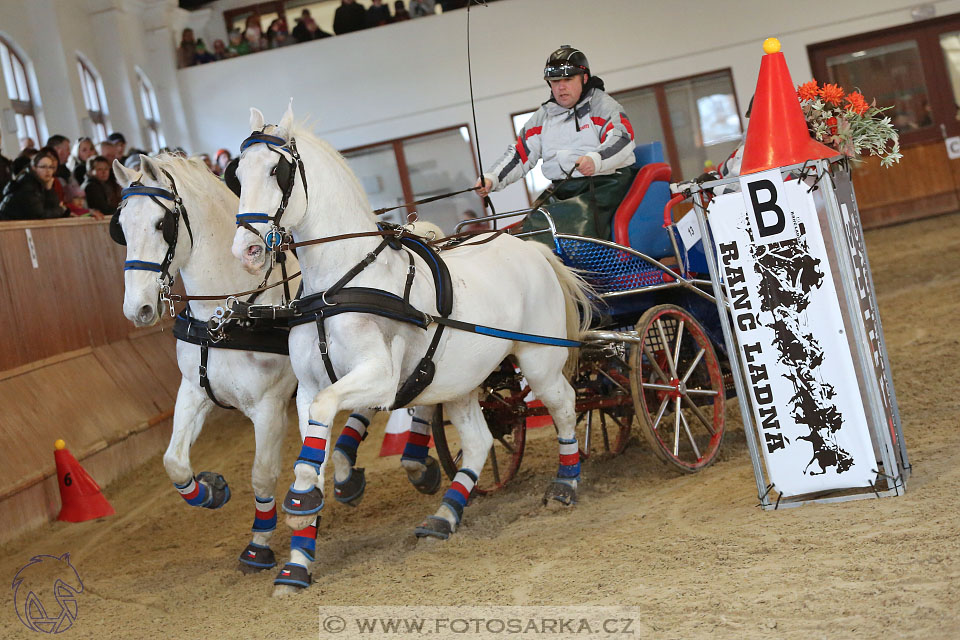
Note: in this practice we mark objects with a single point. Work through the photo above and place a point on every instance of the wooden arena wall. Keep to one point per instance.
(72, 366)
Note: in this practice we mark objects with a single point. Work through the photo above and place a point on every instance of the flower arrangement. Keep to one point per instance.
(847, 123)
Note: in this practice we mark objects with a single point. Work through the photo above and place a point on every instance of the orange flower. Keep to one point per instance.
(808, 90)
(831, 93)
(856, 103)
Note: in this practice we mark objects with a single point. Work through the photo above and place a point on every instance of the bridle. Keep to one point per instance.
(170, 227)
(285, 172)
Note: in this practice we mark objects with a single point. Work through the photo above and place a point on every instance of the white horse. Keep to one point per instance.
(506, 283)
(258, 384)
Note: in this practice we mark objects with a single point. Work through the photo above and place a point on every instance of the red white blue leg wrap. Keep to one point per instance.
(418, 442)
(314, 449)
(266, 519)
(354, 432)
(569, 459)
(194, 493)
(305, 540)
(459, 492)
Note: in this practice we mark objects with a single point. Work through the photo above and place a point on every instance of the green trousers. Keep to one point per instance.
(582, 206)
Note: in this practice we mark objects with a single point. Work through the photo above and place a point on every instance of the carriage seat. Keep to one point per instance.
(638, 222)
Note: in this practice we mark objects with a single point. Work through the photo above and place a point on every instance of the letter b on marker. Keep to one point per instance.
(768, 207)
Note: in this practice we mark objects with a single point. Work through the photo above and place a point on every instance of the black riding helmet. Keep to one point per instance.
(565, 62)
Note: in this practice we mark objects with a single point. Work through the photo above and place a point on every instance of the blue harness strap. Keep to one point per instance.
(142, 265)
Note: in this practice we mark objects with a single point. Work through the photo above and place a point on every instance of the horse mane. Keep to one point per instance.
(192, 174)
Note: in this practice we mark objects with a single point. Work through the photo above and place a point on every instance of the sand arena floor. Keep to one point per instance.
(693, 556)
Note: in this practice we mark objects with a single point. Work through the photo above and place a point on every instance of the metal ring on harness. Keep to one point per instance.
(273, 239)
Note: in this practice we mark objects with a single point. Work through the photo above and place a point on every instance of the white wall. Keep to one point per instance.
(115, 36)
(411, 77)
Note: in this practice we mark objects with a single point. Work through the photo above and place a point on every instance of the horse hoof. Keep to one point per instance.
(560, 491)
(434, 527)
(350, 491)
(284, 590)
(293, 575)
(429, 480)
(303, 503)
(217, 487)
(255, 558)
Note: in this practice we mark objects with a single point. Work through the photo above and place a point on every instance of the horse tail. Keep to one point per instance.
(577, 301)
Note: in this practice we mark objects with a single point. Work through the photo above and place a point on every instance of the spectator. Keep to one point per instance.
(220, 50)
(6, 167)
(420, 8)
(253, 33)
(400, 12)
(476, 225)
(207, 161)
(101, 195)
(203, 56)
(22, 160)
(120, 144)
(30, 196)
(108, 150)
(27, 143)
(187, 51)
(83, 150)
(279, 37)
(378, 14)
(315, 32)
(223, 159)
(60, 144)
(348, 17)
(299, 32)
(238, 46)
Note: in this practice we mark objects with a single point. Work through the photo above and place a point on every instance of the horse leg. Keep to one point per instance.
(208, 489)
(269, 426)
(543, 369)
(476, 441)
(349, 481)
(423, 471)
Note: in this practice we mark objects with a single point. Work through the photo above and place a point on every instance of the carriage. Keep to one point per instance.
(655, 353)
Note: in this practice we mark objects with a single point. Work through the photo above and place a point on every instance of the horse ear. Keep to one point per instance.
(124, 176)
(287, 120)
(256, 119)
(149, 167)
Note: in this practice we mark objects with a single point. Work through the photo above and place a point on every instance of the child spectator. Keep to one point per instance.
(203, 56)
(101, 195)
(378, 14)
(400, 12)
(238, 46)
(349, 17)
(30, 196)
(220, 50)
(187, 51)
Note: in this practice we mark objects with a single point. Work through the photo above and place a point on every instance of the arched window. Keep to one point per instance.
(151, 114)
(17, 75)
(94, 98)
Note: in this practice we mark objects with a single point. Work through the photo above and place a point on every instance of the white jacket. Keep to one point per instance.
(596, 127)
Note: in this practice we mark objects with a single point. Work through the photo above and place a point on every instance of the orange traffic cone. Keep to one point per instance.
(80, 496)
(778, 134)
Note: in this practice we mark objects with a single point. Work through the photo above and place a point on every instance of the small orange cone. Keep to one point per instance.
(80, 496)
(778, 134)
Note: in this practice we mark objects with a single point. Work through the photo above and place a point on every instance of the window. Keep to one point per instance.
(151, 114)
(94, 99)
(417, 167)
(536, 181)
(17, 75)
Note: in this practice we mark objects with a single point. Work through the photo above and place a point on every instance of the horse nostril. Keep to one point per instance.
(145, 314)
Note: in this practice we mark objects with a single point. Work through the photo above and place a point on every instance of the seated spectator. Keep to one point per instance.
(280, 38)
(108, 150)
(23, 160)
(220, 50)
(238, 46)
(299, 32)
(207, 161)
(203, 56)
(60, 144)
(253, 33)
(102, 196)
(400, 12)
(349, 17)
(30, 196)
(378, 14)
(119, 143)
(223, 158)
(420, 8)
(187, 51)
(83, 150)
(6, 168)
(27, 143)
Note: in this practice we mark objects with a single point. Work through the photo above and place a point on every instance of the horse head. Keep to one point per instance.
(153, 224)
(266, 173)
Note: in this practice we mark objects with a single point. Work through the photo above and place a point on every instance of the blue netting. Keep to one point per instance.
(608, 269)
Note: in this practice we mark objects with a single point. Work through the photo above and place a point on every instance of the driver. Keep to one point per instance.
(581, 133)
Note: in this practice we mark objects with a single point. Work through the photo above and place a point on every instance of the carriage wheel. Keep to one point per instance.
(604, 407)
(501, 399)
(678, 388)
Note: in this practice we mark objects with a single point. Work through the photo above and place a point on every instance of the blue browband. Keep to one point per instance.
(252, 217)
(273, 141)
(142, 265)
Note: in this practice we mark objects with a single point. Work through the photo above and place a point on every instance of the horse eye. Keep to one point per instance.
(273, 171)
